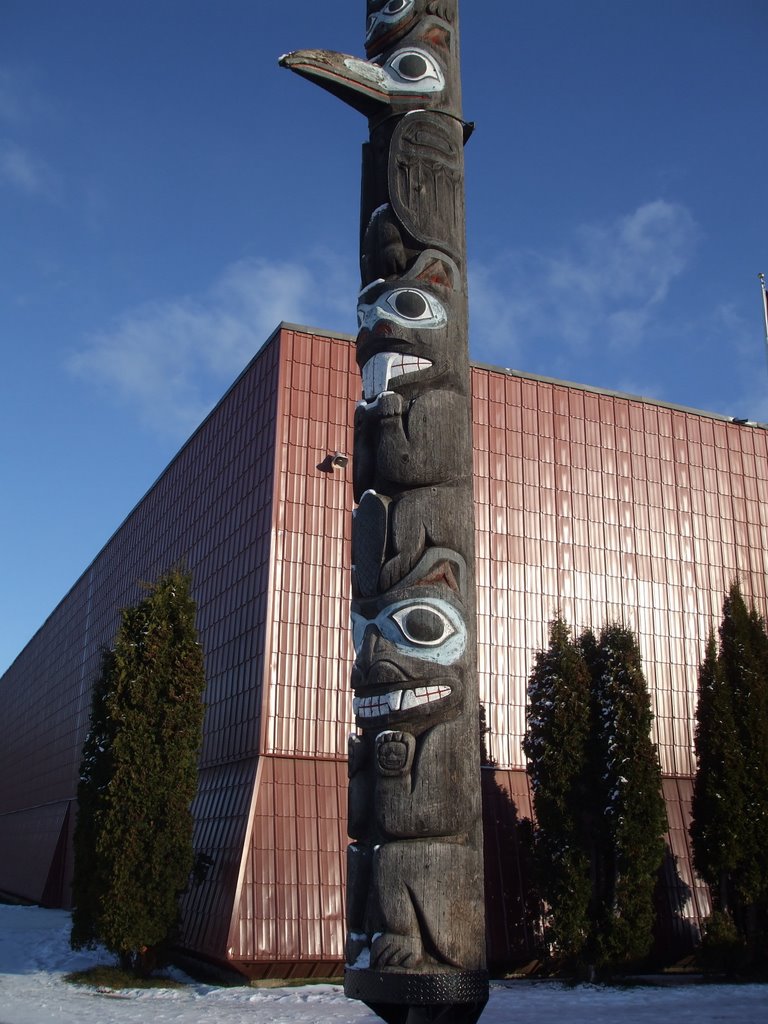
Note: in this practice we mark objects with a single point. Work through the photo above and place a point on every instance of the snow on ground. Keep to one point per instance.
(35, 956)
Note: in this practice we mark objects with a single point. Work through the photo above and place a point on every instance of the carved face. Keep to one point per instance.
(386, 343)
(411, 647)
(404, 329)
(388, 21)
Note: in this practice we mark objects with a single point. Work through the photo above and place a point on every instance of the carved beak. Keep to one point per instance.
(359, 84)
(410, 75)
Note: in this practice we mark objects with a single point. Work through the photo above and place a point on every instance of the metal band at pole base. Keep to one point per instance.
(455, 996)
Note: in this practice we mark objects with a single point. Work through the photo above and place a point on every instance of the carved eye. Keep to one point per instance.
(414, 66)
(423, 625)
(389, 14)
(410, 304)
(408, 307)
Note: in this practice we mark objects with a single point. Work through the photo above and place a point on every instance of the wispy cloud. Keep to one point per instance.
(25, 172)
(169, 361)
(20, 168)
(601, 290)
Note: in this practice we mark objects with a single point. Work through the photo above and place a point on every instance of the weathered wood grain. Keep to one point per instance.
(415, 915)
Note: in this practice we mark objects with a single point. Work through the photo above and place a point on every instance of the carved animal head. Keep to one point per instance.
(388, 21)
(409, 328)
(411, 647)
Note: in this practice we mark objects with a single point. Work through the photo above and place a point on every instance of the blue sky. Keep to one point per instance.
(168, 195)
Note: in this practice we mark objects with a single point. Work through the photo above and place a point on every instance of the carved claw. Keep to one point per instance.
(390, 950)
(389, 404)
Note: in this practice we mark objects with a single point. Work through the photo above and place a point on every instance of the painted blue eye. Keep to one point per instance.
(413, 66)
(410, 304)
(430, 629)
(421, 624)
(406, 306)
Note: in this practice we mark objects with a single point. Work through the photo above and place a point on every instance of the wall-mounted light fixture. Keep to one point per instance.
(338, 460)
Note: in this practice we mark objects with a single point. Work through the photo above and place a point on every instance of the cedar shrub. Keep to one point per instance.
(730, 806)
(596, 784)
(631, 805)
(555, 745)
(138, 778)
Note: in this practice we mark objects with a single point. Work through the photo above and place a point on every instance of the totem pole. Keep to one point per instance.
(415, 948)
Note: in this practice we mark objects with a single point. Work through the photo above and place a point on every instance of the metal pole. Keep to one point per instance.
(764, 298)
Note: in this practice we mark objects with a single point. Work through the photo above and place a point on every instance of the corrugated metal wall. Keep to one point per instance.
(307, 708)
(290, 897)
(607, 508)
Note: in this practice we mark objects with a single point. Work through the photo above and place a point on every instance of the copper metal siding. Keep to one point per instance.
(309, 704)
(291, 902)
(611, 508)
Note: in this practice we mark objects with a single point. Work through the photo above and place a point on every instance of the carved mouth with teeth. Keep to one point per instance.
(387, 366)
(399, 700)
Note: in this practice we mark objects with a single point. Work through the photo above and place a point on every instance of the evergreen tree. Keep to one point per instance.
(744, 660)
(95, 771)
(718, 789)
(556, 745)
(630, 795)
(139, 776)
(730, 809)
(596, 782)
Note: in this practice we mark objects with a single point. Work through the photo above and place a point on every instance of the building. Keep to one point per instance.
(599, 505)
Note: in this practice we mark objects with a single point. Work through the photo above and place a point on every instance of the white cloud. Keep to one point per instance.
(601, 290)
(171, 360)
(23, 171)
(20, 168)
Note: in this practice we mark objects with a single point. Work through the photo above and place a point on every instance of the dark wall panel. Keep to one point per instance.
(211, 510)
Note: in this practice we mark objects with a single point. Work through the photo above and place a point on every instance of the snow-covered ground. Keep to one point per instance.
(35, 956)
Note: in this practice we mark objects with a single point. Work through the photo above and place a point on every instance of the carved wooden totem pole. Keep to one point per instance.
(415, 915)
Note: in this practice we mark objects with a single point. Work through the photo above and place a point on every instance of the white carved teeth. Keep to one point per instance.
(384, 367)
(424, 695)
(381, 704)
(398, 700)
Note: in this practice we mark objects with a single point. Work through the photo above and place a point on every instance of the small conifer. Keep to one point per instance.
(138, 778)
(555, 745)
(596, 786)
(718, 790)
(632, 805)
(730, 805)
